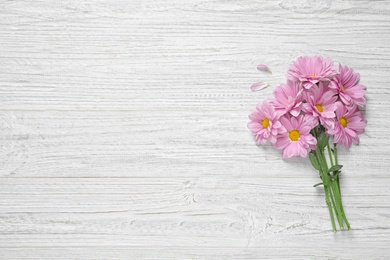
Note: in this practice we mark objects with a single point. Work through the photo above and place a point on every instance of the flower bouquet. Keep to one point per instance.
(311, 115)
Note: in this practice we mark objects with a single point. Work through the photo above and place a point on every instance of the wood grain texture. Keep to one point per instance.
(123, 130)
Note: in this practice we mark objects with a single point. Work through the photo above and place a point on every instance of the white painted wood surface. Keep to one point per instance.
(123, 130)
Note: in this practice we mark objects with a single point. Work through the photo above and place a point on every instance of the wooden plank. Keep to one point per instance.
(123, 130)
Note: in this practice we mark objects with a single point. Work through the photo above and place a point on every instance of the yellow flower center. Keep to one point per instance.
(343, 122)
(320, 108)
(312, 75)
(294, 135)
(265, 123)
(344, 88)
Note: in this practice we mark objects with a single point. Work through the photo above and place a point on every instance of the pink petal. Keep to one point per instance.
(277, 124)
(295, 112)
(290, 151)
(282, 142)
(311, 140)
(341, 110)
(254, 127)
(259, 86)
(272, 139)
(263, 67)
(286, 123)
(302, 151)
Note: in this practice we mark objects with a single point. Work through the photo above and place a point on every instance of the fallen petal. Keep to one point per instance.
(259, 86)
(263, 67)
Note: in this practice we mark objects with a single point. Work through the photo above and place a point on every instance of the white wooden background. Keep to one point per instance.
(123, 130)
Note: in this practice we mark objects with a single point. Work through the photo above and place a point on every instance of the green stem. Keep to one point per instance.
(331, 186)
(336, 160)
(338, 188)
(328, 202)
(341, 205)
(330, 154)
(337, 206)
(325, 180)
(337, 200)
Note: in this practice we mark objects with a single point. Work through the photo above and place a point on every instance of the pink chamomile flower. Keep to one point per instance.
(321, 105)
(295, 138)
(349, 124)
(288, 98)
(264, 123)
(346, 84)
(311, 70)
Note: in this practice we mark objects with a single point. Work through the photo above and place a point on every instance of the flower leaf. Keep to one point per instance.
(335, 168)
(318, 184)
(314, 161)
(322, 141)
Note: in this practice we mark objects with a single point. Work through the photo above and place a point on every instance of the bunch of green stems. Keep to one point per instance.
(330, 177)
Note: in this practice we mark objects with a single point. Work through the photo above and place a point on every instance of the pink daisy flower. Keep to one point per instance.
(346, 85)
(264, 123)
(311, 70)
(288, 98)
(321, 104)
(295, 138)
(349, 124)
